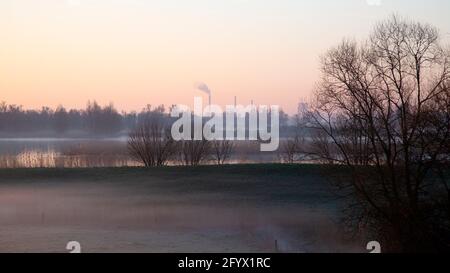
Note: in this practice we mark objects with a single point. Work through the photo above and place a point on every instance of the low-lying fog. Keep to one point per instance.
(134, 217)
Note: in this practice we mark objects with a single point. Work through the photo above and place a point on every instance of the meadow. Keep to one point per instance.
(230, 208)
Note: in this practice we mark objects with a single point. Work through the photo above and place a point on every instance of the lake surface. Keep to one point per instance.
(85, 152)
(64, 152)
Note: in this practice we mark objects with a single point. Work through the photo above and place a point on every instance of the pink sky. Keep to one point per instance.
(138, 52)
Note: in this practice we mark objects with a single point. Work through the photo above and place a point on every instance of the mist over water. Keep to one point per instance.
(99, 152)
(64, 153)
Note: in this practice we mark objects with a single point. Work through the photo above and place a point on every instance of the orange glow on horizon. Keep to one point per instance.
(134, 53)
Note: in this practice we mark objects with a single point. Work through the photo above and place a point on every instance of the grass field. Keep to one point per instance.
(233, 208)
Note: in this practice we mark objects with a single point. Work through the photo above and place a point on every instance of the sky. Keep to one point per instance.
(138, 52)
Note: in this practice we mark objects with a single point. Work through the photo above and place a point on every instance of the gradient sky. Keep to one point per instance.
(134, 52)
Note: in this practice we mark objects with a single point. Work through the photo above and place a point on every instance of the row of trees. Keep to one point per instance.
(151, 143)
(94, 119)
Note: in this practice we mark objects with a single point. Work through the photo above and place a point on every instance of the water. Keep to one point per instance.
(87, 153)
(64, 152)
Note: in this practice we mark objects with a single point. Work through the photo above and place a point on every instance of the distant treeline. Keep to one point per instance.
(94, 120)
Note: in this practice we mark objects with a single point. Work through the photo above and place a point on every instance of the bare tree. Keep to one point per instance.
(382, 110)
(194, 152)
(222, 150)
(290, 150)
(151, 142)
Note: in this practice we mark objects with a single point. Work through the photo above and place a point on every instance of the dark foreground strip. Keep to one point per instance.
(222, 262)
